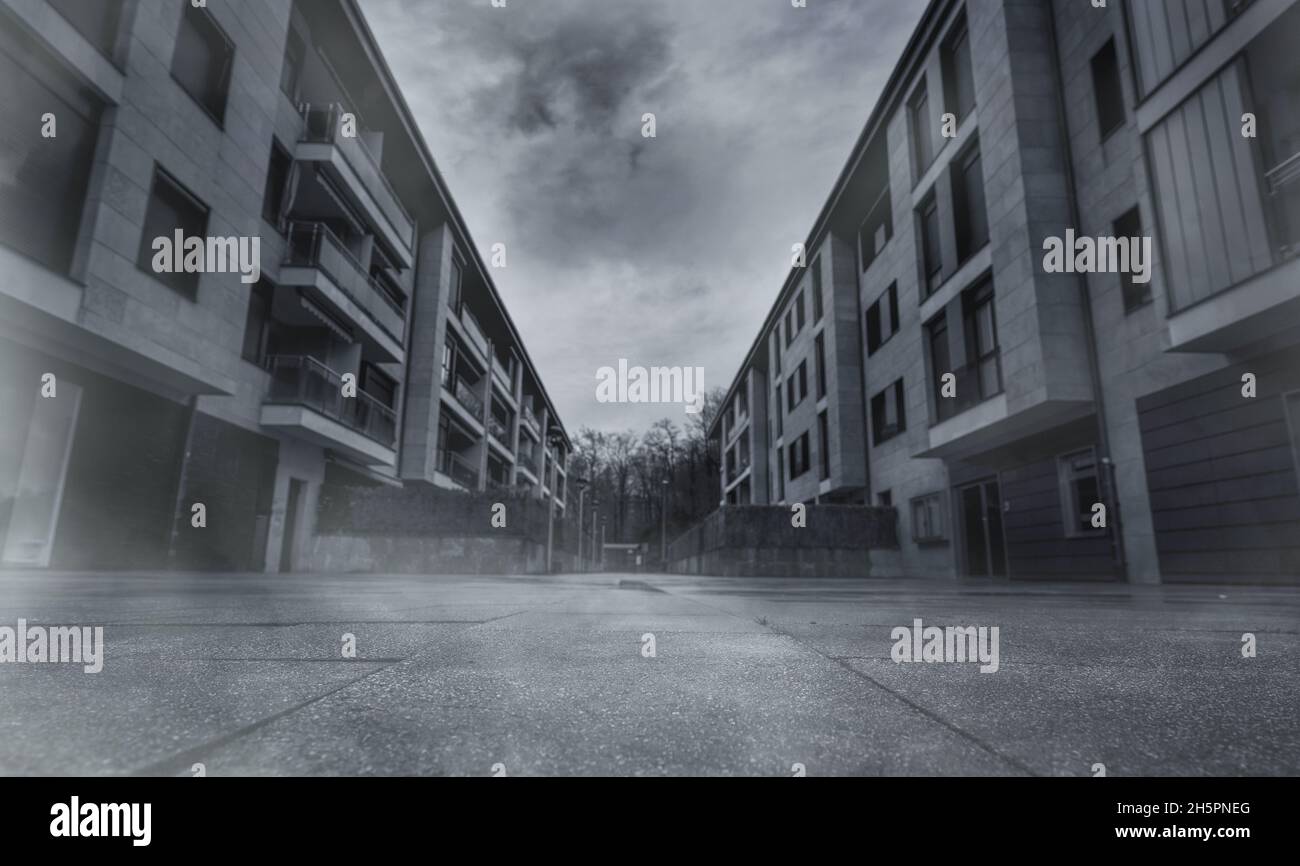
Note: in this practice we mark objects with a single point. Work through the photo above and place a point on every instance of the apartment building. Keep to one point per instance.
(1000, 404)
(372, 348)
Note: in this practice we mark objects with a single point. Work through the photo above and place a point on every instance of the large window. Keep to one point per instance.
(882, 319)
(776, 351)
(277, 180)
(821, 365)
(1080, 490)
(789, 327)
(1107, 90)
(982, 339)
(940, 365)
(294, 55)
(958, 82)
(97, 20)
(800, 320)
(202, 60)
(799, 458)
(797, 386)
(260, 333)
(877, 229)
(931, 257)
(172, 208)
(818, 310)
(922, 129)
(887, 416)
(971, 216)
(824, 445)
(44, 179)
(780, 415)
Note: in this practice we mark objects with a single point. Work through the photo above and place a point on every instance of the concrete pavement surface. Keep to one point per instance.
(246, 675)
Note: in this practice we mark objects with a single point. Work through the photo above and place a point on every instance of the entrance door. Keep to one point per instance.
(290, 524)
(982, 544)
(39, 491)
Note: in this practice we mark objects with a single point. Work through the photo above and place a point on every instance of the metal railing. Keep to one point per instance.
(304, 381)
(458, 469)
(499, 430)
(465, 396)
(314, 245)
(320, 125)
(531, 420)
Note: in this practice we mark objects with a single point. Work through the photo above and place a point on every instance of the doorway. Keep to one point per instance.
(290, 536)
(983, 548)
(38, 488)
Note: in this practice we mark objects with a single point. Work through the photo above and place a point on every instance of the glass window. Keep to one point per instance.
(931, 259)
(928, 524)
(1080, 490)
(172, 208)
(959, 84)
(202, 60)
(1107, 89)
(922, 131)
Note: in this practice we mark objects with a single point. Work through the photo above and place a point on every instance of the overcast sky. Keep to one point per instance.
(666, 251)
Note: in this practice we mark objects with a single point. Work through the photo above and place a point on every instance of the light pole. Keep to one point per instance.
(595, 505)
(602, 544)
(663, 526)
(582, 495)
(553, 438)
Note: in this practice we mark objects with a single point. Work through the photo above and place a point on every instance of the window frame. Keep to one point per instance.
(1067, 476)
(218, 114)
(938, 499)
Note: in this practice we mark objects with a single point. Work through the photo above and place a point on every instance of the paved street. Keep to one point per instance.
(452, 675)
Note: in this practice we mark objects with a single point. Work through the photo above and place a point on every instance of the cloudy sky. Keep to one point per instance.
(666, 251)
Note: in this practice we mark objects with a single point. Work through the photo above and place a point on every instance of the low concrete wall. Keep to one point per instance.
(760, 541)
(406, 555)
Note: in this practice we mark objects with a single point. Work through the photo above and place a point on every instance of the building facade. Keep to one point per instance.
(1038, 424)
(368, 346)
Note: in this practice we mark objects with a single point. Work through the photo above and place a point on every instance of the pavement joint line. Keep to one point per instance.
(184, 759)
(929, 714)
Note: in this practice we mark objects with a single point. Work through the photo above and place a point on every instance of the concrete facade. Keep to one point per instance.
(358, 237)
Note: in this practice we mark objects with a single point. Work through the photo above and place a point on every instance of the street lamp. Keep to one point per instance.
(582, 495)
(663, 529)
(595, 504)
(554, 438)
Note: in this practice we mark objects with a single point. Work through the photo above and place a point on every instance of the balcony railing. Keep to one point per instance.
(526, 461)
(1284, 190)
(304, 381)
(314, 245)
(458, 469)
(531, 420)
(473, 330)
(468, 399)
(498, 429)
(321, 126)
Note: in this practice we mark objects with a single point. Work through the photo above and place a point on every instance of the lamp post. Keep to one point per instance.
(663, 527)
(582, 495)
(602, 544)
(554, 438)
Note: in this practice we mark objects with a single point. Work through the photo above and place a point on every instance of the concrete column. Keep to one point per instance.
(428, 335)
(486, 396)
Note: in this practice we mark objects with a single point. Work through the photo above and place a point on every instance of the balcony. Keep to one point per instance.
(458, 469)
(528, 463)
(315, 258)
(498, 430)
(306, 399)
(468, 398)
(473, 332)
(530, 420)
(348, 162)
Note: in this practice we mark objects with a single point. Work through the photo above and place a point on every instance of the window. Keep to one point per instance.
(821, 366)
(453, 291)
(882, 319)
(742, 401)
(1080, 490)
(931, 260)
(291, 72)
(958, 83)
(790, 400)
(259, 324)
(799, 460)
(381, 386)
(940, 364)
(818, 310)
(972, 221)
(928, 524)
(887, 416)
(171, 209)
(982, 339)
(202, 61)
(277, 179)
(922, 131)
(776, 352)
(448, 365)
(803, 380)
(45, 180)
(885, 499)
(780, 416)
(800, 321)
(97, 20)
(789, 328)
(1136, 294)
(877, 229)
(824, 444)
(1107, 90)
(780, 473)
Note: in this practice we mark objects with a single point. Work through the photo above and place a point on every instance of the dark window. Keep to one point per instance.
(821, 366)
(291, 73)
(824, 444)
(776, 351)
(797, 387)
(922, 132)
(383, 387)
(931, 259)
(799, 457)
(97, 20)
(453, 291)
(1080, 490)
(1107, 90)
(885, 499)
(45, 179)
(887, 416)
(277, 179)
(780, 416)
(928, 525)
(172, 208)
(972, 221)
(803, 380)
(780, 473)
(202, 61)
(940, 364)
(789, 394)
(259, 324)
(1135, 294)
(789, 327)
(882, 319)
(818, 311)
(958, 83)
(800, 321)
(982, 339)
(448, 364)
